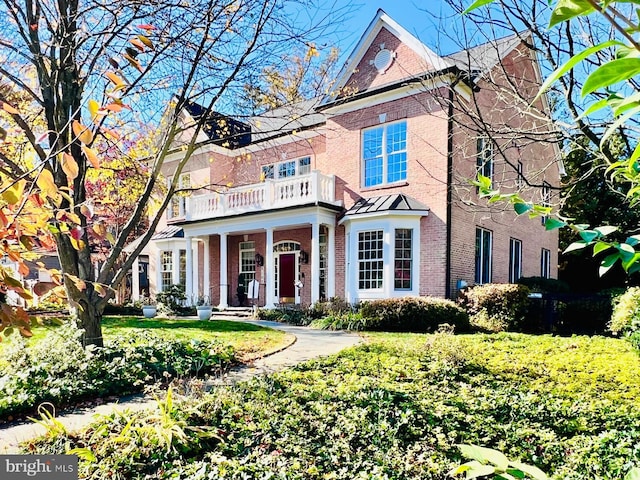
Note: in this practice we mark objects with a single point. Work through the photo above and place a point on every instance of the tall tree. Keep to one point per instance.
(85, 64)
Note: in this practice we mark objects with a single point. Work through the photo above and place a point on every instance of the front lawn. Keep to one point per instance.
(394, 408)
(249, 341)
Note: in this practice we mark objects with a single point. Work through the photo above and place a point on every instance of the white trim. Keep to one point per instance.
(364, 44)
(413, 88)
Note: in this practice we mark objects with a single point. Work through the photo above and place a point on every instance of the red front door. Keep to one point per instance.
(287, 277)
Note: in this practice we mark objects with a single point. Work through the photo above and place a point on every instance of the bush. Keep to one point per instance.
(412, 314)
(59, 370)
(544, 285)
(626, 313)
(496, 307)
(335, 306)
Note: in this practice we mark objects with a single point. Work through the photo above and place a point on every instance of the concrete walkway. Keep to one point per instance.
(309, 344)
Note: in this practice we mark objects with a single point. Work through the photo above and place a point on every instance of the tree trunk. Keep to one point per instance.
(90, 320)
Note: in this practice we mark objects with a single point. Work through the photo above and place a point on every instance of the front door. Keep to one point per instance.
(287, 277)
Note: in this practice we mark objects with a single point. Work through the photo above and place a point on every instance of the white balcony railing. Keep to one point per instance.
(268, 195)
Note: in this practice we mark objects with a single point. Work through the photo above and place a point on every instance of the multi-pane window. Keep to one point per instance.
(545, 263)
(182, 272)
(178, 201)
(370, 260)
(247, 262)
(166, 269)
(515, 260)
(384, 154)
(520, 177)
(323, 262)
(403, 259)
(484, 158)
(483, 255)
(546, 199)
(289, 168)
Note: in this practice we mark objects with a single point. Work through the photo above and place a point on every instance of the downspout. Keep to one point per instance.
(447, 288)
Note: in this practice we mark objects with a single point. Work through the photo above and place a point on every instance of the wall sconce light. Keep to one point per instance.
(259, 260)
(304, 257)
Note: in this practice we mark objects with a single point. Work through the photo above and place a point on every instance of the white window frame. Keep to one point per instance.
(545, 263)
(545, 193)
(400, 257)
(483, 257)
(166, 267)
(367, 257)
(273, 171)
(177, 207)
(385, 155)
(484, 157)
(247, 248)
(515, 260)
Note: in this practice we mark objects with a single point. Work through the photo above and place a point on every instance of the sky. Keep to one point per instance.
(426, 20)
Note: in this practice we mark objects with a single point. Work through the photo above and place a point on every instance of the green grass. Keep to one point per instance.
(250, 341)
(395, 408)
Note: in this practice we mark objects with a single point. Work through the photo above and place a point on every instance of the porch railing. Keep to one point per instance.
(268, 195)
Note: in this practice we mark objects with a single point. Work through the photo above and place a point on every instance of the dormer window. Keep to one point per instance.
(289, 168)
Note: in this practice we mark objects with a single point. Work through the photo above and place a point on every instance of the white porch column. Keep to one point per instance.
(158, 270)
(188, 286)
(206, 281)
(331, 262)
(135, 280)
(315, 262)
(224, 285)
(269, 283)
(196, 272)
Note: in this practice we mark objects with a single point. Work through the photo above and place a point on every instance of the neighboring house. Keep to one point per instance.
(365, 194)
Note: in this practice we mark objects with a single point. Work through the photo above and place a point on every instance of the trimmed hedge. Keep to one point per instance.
(413, 314)
(496, 307)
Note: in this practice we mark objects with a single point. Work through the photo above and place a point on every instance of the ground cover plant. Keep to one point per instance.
(394, 408)
(55, 368)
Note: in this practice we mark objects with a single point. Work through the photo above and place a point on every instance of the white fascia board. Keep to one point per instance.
(277, 220)
(387, 214)
(404, 91)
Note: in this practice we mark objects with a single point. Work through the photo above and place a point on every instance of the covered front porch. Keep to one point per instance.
(263, 259)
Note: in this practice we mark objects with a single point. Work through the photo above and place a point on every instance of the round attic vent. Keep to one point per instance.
(383, 60)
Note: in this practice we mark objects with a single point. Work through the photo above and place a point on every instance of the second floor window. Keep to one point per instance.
(178, 202)
(484, 158)
(384, 154)
(289, 168)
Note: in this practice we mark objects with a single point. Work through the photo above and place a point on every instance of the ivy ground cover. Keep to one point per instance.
(394, 408)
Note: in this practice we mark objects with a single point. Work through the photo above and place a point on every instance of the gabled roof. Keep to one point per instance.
(220, 129)
(379, 21)
(297, 116)
(482, 58)
(398, 202)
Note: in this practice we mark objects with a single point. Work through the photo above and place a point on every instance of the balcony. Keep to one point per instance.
(269, 195)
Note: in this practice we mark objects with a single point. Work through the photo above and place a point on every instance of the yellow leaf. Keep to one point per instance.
(146, 41)
(137, 43)
(92, 156)
(69, 165)
(13, 194)
(115, 79)
(47, 184)
(135, 63)
(9, 109)
(94, 108)
(99, 229)
(81, 132)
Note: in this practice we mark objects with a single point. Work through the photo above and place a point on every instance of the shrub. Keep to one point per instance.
(335, 306)
(496, 306)
(626, 313)
(544, 285)
(412, 314)
(59, 370)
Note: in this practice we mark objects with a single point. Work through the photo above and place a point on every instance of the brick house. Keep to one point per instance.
(365, 194)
